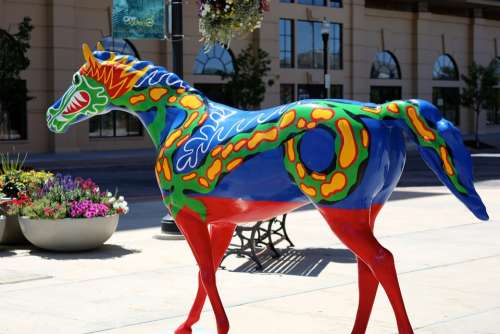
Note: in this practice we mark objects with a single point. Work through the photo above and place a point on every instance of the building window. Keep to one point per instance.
(385, 66)
(287, 93)
(447, 99)
(332, 3)
(445, 68)
(336, 3)
(384, 94)
(336, 91)
(12, 110)
(217, 61)
(286, 43)
(116, 123)
(310, 45)
(317, 91)
(493, 116)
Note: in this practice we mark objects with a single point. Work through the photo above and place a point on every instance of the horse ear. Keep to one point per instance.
(99, 47)
(87, 53)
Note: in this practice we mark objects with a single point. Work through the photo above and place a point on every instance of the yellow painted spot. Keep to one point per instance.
(191, 102)
(311, 125)
(191, 119)
(180, 91)
(287, 119)
(172, 138)
(214, 169)
(336, 184)
(158, 166)
(137, 99)
(183, 140)
(290, 151)
(419, 125)
(167, 173)
(202, 181)
(216, 151)
(157, 93)
(261, 136)
(318, 176)
(203, 118)
(365, 137)
(226, 151)
(234, 163)
(393, 108)
(189, 177)
(309, 191)
(445, 157)
(348, 150)
(322, 114)
(239, 145)
(301, 123)
(172, 99)
(300, 170)
(371, 110)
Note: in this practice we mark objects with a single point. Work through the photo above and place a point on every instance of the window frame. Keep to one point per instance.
(212, 55)
(316, 64)
(292, 42)
(393, 57)
(438, 62)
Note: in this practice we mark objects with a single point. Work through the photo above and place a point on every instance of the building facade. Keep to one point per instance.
(378, 50)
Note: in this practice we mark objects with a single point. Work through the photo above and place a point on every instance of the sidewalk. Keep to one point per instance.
(448, 264)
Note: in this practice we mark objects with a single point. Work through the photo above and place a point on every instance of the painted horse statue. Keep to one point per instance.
(218, 166)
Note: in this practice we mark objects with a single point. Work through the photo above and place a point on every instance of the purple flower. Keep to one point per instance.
(88, 209)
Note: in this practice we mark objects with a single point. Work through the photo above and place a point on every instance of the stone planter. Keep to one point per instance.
(10, 231)
(70, 234)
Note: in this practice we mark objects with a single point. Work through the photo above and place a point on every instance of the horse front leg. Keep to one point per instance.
(220, 237)
(197, 235)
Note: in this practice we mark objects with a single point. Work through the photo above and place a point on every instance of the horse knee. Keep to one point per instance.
(382, 259)
(207, 277)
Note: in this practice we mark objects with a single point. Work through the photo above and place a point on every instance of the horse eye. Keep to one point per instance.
(76, 79)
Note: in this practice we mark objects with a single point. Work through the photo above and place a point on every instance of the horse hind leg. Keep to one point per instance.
(353, 229)
(220, 237)
(198, 238)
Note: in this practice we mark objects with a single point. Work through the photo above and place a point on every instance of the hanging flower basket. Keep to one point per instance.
(221, 20)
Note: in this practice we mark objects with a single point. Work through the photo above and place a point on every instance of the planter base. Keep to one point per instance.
(10, 231)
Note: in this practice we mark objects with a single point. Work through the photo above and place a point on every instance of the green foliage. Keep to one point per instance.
(246, 87)
(479, 92)
(45, 208)
(9, 165)
(13, 49)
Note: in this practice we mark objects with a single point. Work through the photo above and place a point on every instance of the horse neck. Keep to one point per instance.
(155, 108)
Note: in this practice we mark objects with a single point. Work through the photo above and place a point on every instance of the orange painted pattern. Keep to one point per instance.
(191, 119)
(190, 176)
(445, 157)
(233, 164)
(239, 145)
(290, 151)
(203, 118)
(309, 191)
(214, 170)
(348, 149)
(318, 177)
(337, 183)
(287, 119)
(227, 150)
(393, 108)
(301, 123)
(365, 138)
(157, 93)
(300, 170)
(158, 166)
(322, 114)
(371, 110)
(172, 138)
(203, 182)
(216, 150)
(261, 136)
(172, 99)
(419, 125)
(136, 99)
(191, 102)
(167, 173)
(183, 140)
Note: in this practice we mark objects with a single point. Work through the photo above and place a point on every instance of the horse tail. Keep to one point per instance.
(441, 146)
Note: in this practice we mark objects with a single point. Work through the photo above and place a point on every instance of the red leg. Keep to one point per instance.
(220, 236)
(198, 238)
(367, 286)
(355, 232)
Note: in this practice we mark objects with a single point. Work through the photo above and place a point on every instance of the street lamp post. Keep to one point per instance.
(325, 33)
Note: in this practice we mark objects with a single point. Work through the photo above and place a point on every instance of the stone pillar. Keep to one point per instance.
(423, 56)
(361, 59)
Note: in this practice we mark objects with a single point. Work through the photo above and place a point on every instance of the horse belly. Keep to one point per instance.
(259, 189)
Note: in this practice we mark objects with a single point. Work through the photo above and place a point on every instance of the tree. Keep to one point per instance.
(246, 86)
(479, 91)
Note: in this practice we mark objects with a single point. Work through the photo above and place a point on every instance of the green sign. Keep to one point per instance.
(139, 19)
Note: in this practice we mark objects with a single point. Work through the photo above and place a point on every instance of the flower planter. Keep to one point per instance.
(10, 231)
(70, 234)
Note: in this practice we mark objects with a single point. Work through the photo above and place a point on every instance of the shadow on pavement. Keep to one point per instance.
(105, 252)
(309, 262)
(6, 252)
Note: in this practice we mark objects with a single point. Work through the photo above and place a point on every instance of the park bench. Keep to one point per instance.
(255, 239)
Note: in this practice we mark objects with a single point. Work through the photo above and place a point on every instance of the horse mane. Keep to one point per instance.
(148, 73)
